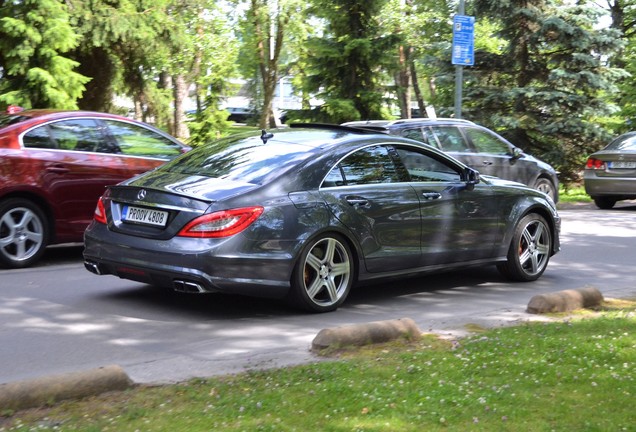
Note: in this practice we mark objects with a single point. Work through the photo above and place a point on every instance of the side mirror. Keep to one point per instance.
(471, 178)
(517, 153)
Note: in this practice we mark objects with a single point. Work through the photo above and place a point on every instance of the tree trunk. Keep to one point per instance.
(403, 82)
(180, 95)
(417, 90)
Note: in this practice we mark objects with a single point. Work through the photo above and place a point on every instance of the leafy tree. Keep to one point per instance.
(34, 36)
(347, 64)
(548, 85)
(265, 30)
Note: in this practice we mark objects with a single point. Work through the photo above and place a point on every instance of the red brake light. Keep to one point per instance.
(595, 164)
(222, 223)
(100, 212)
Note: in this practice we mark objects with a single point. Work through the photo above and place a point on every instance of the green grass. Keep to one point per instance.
(576, 375)
(573, 194)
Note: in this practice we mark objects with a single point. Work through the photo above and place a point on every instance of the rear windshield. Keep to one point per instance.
(242, 159)
(624, 142)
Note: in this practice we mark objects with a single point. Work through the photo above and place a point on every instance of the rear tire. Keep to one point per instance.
(529, 251)
(23, 233)
(323, 275)
(604, 203)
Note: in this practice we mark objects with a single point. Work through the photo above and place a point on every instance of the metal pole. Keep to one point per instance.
(459, 75)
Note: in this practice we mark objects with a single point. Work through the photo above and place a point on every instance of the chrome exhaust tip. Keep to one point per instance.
(92, 267)
(188, 287)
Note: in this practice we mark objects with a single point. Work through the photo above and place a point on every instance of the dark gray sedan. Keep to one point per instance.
(610, 174)
(305, 213)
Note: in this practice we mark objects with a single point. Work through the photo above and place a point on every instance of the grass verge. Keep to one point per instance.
(573, 195)
(575, 374)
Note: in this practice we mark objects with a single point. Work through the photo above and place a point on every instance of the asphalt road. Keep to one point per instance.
(57, 317)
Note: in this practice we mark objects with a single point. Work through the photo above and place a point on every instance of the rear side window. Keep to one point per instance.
(370, 165)
(134, 140)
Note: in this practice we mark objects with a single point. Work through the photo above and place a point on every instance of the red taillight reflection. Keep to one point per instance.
(100, 212)
(593, 163)
(222, 223)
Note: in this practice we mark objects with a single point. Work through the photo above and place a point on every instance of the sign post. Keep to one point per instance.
(463, 51)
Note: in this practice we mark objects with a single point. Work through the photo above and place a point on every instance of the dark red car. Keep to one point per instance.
(54, 165)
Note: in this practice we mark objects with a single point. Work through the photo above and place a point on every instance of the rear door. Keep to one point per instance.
(70, 170)
(367, 194)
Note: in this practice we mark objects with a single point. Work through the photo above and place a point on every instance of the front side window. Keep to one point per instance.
(370, 165)
(486, 142)
(134, 140)
(450, 139)
(424, 168)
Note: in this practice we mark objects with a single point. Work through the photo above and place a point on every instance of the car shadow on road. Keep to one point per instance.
(150, 302)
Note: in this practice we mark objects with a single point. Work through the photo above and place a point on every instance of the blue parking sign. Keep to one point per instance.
(463, 40)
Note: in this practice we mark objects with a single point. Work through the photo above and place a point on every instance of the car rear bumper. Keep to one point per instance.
(194, 269)
(609, 186)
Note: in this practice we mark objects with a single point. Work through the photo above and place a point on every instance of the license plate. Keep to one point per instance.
(144, 216)
(622, 164)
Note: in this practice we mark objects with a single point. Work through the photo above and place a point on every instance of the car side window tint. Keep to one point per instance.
(368, 166)
(485, 142)
(38, 138)
(134, 140)
(450, 139)
(424, 168)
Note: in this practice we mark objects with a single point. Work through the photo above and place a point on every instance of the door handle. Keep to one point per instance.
(486, 162)
(357, 201)
(57, 169)
(431, 195)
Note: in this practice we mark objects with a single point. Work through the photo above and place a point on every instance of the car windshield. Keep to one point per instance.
(243, 159)
(625, 142)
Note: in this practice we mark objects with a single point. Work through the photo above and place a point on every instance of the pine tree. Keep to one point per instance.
(34, 36)
(550, 84)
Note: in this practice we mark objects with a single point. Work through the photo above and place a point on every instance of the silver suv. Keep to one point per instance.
(475, 146)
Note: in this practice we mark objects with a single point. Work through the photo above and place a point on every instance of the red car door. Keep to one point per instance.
(71, 169)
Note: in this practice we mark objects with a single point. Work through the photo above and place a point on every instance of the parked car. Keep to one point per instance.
(54, 165)
(610, 174)
(477, 147)
(305, 213)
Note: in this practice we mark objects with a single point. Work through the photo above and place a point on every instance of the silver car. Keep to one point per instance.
(476, 146)
(610, 174)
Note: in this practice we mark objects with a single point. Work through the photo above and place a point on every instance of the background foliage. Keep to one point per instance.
(553, 76)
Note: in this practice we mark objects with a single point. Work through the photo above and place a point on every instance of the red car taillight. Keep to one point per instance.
(595, 164)
(222, 223)
(100, 212)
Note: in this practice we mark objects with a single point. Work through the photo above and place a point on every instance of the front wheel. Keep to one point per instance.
(23, 233)
(529, 250)
(323, 275)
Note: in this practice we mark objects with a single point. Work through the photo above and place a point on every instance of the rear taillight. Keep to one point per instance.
(593, 163)
(100, 212)
(222, 223)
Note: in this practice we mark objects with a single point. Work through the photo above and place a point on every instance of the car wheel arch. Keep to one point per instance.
(41, 203)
